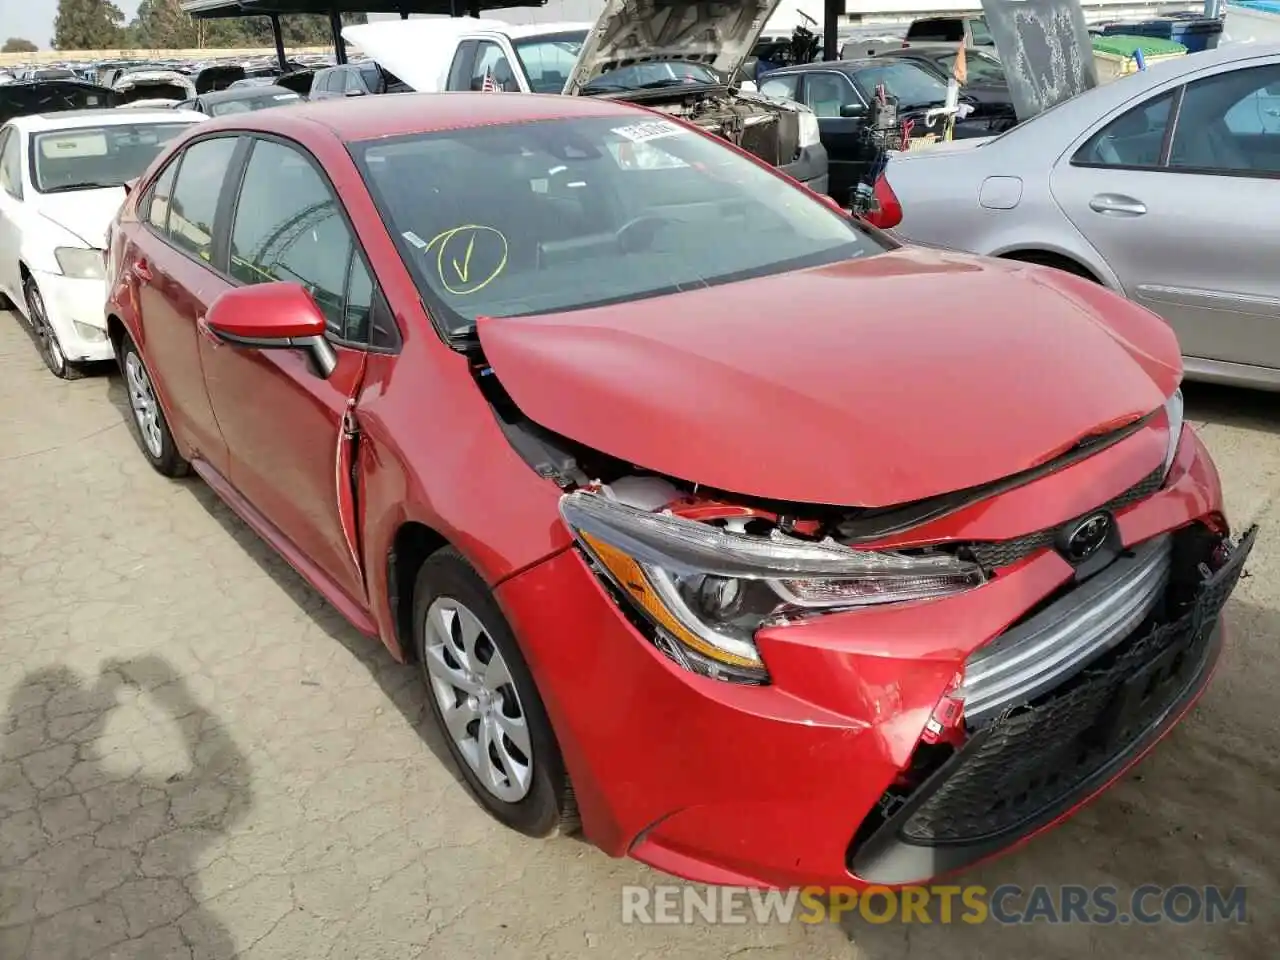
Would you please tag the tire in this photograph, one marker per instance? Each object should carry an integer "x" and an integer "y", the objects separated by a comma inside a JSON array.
[
  {"x": 6, "y": 303},
  {"x": 46, "y": 337},
  {"x": 147, "y": 420},
  {"x": 451, "y": 602}
]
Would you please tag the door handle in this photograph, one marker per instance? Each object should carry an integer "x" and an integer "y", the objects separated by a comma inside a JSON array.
[
  {"x": 1117, "y": 204},
  {"x": 142, "y": 271}
]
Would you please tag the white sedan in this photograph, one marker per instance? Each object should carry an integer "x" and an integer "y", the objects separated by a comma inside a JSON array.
[{"x": 62, "y": 178}]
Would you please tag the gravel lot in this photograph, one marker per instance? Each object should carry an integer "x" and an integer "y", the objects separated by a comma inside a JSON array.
[{"x": 199, "y": 759}]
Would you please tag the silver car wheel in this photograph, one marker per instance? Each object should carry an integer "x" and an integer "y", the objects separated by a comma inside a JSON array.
[
  {"x": 142, "y": 398},
  {"x": 478, "y": 699}
]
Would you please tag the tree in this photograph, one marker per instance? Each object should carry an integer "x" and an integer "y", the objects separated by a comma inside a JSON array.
[
  {"x": 87, "y": 25},
  {"x": 18, "y": 45}
]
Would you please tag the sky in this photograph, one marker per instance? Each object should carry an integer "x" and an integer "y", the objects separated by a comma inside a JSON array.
[{"x": 33, "y": 19}]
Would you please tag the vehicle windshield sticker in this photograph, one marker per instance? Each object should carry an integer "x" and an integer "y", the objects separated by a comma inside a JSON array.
[
  {"x": 649, "y": 130},
  {"x": 468, "y": 257},
  {"x": 416, "y": 240}
]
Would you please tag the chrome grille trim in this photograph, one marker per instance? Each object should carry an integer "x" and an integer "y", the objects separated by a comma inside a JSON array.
[{"x": 1038, "y": 654}]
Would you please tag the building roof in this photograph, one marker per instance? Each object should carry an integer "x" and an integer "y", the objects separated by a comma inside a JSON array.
[{"x": 206, "y": 9}]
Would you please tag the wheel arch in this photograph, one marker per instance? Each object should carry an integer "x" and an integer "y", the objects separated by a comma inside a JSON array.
[
  {"x": 411, "y": 545},
  {"x": 1050, "y": 257}
]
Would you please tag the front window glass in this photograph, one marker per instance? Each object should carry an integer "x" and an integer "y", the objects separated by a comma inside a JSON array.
[
  {"x": 912, "y": 85},
  {"x": 249, "y": 104},
  {"x": 549, "y": 60},
  {"x": 86, "y": 158},
  {"x": 979, "y": 68},
  {"x": 559, "y": 215},
  {"x": 659, "y": 73}
]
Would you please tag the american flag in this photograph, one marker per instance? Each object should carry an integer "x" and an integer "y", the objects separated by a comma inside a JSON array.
[{"x": 488, "y": 86}]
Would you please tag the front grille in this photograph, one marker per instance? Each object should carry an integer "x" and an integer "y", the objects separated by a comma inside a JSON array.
[
  {"x": 1027, "y": 763},
  {"x": 1001, "y": 553}
]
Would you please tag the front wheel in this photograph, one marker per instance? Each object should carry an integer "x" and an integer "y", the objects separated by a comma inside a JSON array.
[
  {"x": 46, "y": 337},
  {"x": 485, "y": 702},
  {"x": 150, "y": 428}
]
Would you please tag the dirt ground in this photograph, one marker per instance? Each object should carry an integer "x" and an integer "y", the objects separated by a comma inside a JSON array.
[{"x": 199, "y": 759}]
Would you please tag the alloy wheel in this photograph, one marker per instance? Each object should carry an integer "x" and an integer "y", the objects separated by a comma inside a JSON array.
[
  {"x": 142, "y": 399},
  {"x": 478, "y": 700},
  {"x": 46, "y": 339}
]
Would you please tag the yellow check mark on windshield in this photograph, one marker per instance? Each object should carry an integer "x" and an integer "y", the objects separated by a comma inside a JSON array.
[{"x": 464, "y": 268}]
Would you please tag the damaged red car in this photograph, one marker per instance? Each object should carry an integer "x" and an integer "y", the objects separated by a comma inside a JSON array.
[{"x": 765, "y": 549}]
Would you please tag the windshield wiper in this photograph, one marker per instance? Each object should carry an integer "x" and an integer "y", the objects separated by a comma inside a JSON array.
[
  {"x": 605, "y": 88},
  {"x": 676, "y": 82},
  {"x": 87, "y": 185}
]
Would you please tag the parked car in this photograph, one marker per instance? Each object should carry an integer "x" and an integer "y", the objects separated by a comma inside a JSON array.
[
  {"x": 949, "y": 31},
  {"x": 24, "y": 97},
  {"x": 1102, "y": 186},
  {"x": 354, "y": 80},
  {"x": 600, "y": 59},
  {"x": 840, "y": 92},
  {"x": 484, "y": 381},
  {"x": 153, "y": 85},
  {"x": 242, "y": 100},
  {"x": 62, "y": 179},
  {"x": 985, "y": 83}
]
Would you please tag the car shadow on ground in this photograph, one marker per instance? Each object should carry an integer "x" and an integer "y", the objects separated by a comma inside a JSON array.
[
  {"x": 1198, "y": 810},
  {"x": 103, "y": 818},
  {"x": 1232, "y": 406}
]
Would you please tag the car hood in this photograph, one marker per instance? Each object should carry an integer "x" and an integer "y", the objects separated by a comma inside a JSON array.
[
  {"x": 720, "y": 35},
  {"x": 870, "y": 382},
  {"x": 85, "y": 213}
]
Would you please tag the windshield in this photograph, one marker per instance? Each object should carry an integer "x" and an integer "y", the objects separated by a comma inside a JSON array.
[
  {"x": 249, "y": 104},
  {"x": 548, "y": 59},
  {"x": 660, "y": 73},
  {"x": 90, "y": 157},
  {"x": 979, "y": 67},
  {"x": 558, "y": 215},
  {"x": 912, "y": 85}
]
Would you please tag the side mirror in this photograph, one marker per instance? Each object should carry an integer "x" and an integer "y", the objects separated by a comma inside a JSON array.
[
  {"x": 273, "y": 316},
  {"x": 853, "y": 111},
  {"x": 357, "y": 92}
]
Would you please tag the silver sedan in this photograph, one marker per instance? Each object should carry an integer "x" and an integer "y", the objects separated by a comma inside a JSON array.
[{"x": 1163, "y": 185}]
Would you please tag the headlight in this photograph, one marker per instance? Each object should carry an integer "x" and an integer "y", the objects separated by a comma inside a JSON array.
[
  {"x": 80, "y": 263},
  {"x": 705, "y": 591},
  {"x": 1173, "y": 407},
  {"x": 809, "y": 132}
]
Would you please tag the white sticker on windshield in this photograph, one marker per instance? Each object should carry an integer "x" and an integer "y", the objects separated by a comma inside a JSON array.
[
  {"x": 416, "y": 240},
  {"x": 649, "y": 130}
]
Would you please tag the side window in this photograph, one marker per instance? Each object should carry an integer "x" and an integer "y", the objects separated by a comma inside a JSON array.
[
  {"x": 784, "y": 87},
  {"x": 547, "y": 63},
  {"x": 351, "y": 81},
  {"x": 195, "y": 195},
  {"x": 826, "y": 93},
  {"x": 155, "y": 205},
  {"x": 1133, "y": 139},
  {"x": 979, "y": 35},
  {"x": 289, "y": 226},
  {"x": 10, "y": 165},
  {"x": 492, "y": 64},
  {"x": 359, "y": 301},
  {"x": 460, "y": 71},
  {"x": 1230, "y": 122}
]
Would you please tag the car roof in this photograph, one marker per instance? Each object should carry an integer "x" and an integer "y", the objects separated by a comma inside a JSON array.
[
  {"x": 398, "y": 114},
  {"x": 108, "y": 117},
  {"x": 261, "y": 91}
]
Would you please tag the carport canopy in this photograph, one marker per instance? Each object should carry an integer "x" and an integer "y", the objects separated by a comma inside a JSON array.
[{"x": 212, "y": 9}]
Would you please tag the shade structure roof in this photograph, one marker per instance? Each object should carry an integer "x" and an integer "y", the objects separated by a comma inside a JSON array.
[{"x": 208, "y": 9}]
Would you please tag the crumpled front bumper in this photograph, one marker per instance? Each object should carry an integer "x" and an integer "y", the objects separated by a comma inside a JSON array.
[
  {"x": 76, "y": 310},
  {"x": 770, "y": 785}
]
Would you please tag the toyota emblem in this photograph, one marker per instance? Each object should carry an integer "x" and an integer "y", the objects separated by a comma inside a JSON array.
[{"x": 1085, "y": 537}]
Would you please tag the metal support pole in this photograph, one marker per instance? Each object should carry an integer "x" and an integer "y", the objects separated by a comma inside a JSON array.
[
  {"x": 474, "y": 9},
  {"x": 457, "y": 8},
  {"x": 832, "y": 11},
  {"x": 404, "y": 14},
  {"x": 279, "y": 39},
  {"x": 339, "y": 47}
]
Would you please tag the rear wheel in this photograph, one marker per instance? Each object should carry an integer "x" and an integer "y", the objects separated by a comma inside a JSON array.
[
  {"x": 150, "y": 428},
  {"x": 45, "y": 336},
  {"x": 484, "y": 700}
]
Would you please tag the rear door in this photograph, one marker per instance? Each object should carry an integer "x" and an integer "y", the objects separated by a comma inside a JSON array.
[
  {"x": 169, "y": 264},
  {"x": 286, "y": 428},
  {"x": 1181, "y": 195}
]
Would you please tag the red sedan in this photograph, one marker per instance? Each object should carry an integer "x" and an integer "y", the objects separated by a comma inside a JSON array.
[{"x": 774, "y": 551}]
